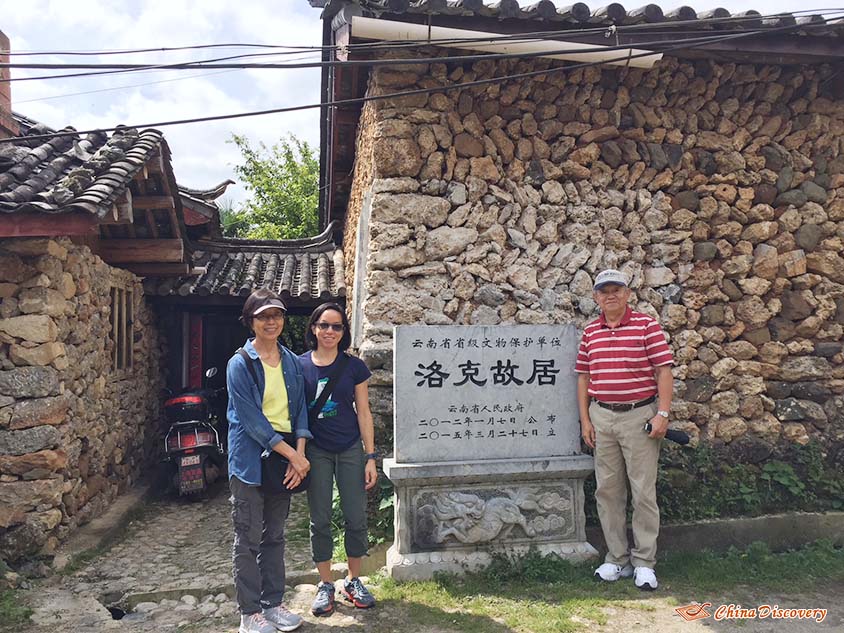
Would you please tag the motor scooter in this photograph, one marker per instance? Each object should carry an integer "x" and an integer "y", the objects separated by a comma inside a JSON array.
[{"x": 193, "y": 446}]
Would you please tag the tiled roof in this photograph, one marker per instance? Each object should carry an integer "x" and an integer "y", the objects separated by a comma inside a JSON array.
[
  {"x": 71, "y": 173},
  {"x": 200, "y": 204},
  {"x": 580, "y": 13},
  {"x": 206, "y": 195},
  {"x": 303, "y": 270}
]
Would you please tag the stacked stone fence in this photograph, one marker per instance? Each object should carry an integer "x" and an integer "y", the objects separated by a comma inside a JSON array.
[
  {"x": 717, "y": 187},
  {"x": 74, "y": 432}
]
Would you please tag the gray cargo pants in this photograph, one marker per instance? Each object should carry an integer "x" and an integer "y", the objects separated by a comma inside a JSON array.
[{"x": 258, "y": 550}]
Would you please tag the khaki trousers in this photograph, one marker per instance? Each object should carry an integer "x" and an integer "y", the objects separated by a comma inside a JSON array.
[{"x": 624, "y": 452}]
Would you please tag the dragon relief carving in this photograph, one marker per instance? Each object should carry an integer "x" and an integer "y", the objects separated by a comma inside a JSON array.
[{"x": 469, "y": 518}]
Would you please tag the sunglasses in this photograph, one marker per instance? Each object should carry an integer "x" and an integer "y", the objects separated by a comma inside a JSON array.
[{"x": 336, "y": 327}]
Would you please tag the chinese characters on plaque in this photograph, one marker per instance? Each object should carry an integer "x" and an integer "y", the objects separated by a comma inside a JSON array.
[{"x": 476, "y": 392}]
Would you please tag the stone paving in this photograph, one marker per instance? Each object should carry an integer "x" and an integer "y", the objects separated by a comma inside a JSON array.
[
  {"x": 171, "y": 570},
  {"x": 181, "y": 544}
]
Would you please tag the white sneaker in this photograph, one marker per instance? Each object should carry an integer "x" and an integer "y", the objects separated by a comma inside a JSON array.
[
  {"x": 282, "y": 618},
  {"x": 611, "y": 572},
  {"x": 255, "y": 623},
  {"x": 645, "y": 578}
]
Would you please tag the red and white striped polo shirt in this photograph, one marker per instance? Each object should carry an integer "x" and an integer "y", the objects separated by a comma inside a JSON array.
[{"x": 620, "y": 360}]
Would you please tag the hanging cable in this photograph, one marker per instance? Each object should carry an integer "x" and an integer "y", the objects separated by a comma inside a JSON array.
[
  {"x": 365, "y": 99},
  {"x": 575, "y": 32},
  {"x": 656, "y": 46},
  {"x": 666, "y": 25},
  {"x": 125, "y": 87}
]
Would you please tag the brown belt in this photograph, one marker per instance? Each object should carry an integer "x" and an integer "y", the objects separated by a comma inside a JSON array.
[{"x": 625, "y": 406}]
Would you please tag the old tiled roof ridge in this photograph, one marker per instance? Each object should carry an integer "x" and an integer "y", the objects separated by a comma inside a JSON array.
[
  {"x": 580, "y": 13},
  {"x": 68, "y": 173},
  {"x": 319, "y": 242},
  {"x": 207, "y": 194},
  {"x": 27, "y": 123},
  {"x": 304, "y": 269}
]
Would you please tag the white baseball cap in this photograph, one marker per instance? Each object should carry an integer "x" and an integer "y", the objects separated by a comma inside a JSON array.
[
  {"x": 609, "y": 276},
  {"x": 269, "y": 303}
]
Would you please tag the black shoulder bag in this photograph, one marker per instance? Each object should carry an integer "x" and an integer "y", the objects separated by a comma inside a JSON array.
[{"x": 274, "y": 466}]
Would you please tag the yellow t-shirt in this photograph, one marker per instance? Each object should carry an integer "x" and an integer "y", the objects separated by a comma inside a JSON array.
[{"x": 274, "y": 404}]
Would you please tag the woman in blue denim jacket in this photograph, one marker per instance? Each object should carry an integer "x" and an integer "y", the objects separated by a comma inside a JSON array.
[{"x": 267, "y": 414}]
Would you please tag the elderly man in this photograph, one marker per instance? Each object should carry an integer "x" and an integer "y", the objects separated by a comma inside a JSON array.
[{"x": 624, "y": 370}]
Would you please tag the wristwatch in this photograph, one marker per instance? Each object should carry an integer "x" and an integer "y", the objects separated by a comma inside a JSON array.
[
  {"x": 369, "y": 456},
  {"x": 663, "y": 414}
]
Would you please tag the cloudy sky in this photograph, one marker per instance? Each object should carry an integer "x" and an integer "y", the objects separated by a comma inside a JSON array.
[{"x": 202, "y": 154}]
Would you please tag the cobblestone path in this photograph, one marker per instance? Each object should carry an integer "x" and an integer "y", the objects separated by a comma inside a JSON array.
[
  {"x": 179, "y": 544},
  {"x": 172, "y": 570}
]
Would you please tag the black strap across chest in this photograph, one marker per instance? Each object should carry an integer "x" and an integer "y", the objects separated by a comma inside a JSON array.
[{"x": 313, "y": 411}]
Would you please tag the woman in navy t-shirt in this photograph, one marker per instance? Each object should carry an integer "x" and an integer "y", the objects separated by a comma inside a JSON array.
[{"x": 337, "y": 453}]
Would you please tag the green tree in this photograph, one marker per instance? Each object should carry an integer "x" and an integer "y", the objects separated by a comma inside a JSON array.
[
  {"x": 232, "y": 222},
  {"x": 283, "y": 183}
]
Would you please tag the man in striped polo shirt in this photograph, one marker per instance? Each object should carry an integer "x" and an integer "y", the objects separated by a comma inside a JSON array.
[{"x": 624, "y": 380}]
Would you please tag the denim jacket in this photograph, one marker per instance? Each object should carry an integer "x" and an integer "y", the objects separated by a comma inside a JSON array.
[{"x": 250, "y": 433}]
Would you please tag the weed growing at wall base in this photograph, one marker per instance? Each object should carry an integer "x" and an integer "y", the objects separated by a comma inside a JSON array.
[{"x": 13, "y": 614}]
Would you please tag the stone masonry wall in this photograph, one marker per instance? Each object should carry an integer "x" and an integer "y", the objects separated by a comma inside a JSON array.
[
  {"x": 718, "y": 188},
  {"x": 74, "y": 433},
  {"x": 365, "y": 171}
]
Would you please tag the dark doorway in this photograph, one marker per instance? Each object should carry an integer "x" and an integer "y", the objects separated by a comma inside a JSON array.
[{"x": 222, "y": 335}]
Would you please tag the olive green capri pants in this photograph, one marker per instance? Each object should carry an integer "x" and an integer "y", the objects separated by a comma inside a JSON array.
[{"x": 347, "y": 468}]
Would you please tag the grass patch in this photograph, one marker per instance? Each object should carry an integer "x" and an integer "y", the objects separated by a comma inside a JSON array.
[
  {"x": 536, "y": 594},
  {"x": 13, "y": 614},
  {"x": 756, "y": 566},
  {"x": 298, "y": 528}
]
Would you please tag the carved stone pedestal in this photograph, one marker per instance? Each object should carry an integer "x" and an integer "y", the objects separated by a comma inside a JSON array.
[{"x": 452, "y": 516}]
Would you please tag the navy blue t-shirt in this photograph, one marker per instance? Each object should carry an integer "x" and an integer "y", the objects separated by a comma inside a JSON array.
[{"x": 336, "y": 429}]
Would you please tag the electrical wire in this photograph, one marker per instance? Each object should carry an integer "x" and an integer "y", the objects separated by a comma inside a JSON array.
[
  {"x": 365, "y": 99},
  {"x": 127, "y": 68},
  {"x": 124, "y": 87},
  {"x": 621, "y": 29},
  {"x": 655, "y": 46}
]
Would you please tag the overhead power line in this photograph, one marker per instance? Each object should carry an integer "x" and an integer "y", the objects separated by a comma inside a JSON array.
[
  {"x": 124, "y": 87},
  {"x": 698, "y": 23},
  {"x": 109, "y": 69},
  {"x": 394, "y": 95}
]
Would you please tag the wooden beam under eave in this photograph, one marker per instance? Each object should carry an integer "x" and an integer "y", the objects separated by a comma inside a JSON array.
[
  {"x": 158, "y": 270},
  {"x": 155, "y": 164},
  {"x": 122, "y": 211},
  {"x": 46, "y": 225},
  {"x": 154, "y": 202},
  {"x": 151, "y": 223},
  {"x": 142, "y": 251}
]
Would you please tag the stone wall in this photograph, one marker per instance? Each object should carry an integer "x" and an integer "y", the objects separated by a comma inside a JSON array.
[
  {"x": 74, "y": 432},
  {"x": 718, "y": 188}
]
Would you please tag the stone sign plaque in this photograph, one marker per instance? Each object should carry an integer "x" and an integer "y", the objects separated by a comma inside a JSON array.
[{"x": 465, "y": 393}]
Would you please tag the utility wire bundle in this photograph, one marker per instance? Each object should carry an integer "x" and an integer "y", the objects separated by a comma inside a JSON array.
[{"x": 225, "y": 64}]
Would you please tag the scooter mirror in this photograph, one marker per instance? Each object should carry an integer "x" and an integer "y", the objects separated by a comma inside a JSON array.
[{"x": 210, "y": 372}]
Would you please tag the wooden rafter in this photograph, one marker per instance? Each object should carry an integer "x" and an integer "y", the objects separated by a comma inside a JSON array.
[
  {"x": 37, "y": 224},
  {"x": 151, "y": 223},
  {"x": 158, "y": 270},
  {"x": 127, "y": 251},
  {"x": 154, "y": 202}
]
